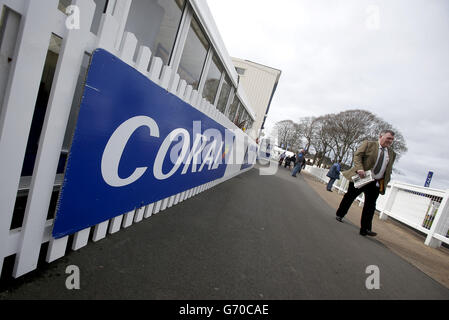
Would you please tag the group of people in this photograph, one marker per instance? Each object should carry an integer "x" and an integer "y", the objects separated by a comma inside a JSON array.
[
  {"x": 298, "y": 160},
  {"x": 377, "y": 156}
]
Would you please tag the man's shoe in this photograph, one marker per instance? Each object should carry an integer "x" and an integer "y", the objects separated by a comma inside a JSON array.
[
  {"x": 367, "y": 233},
  {"x": 329, "y": 190},
  {"x": 339, "y": 218},
  {"x": 293, "y": 176}
]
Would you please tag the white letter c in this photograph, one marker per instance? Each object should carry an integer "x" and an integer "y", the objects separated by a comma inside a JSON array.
[{"x": 114, "y": 150}]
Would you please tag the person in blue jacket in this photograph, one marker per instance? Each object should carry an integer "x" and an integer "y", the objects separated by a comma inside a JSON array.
[
  {"x": 333, "y": 174},
  {"x": 299, "y": 162}
]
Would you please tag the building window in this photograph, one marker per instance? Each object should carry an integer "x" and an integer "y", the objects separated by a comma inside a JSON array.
[
  {"x": 238, "y": 118},
  {"x": 193, "y": 55},
  {"x": 212, "y": 80},
  {"x": 224, "y": 95},
  {"x": 155, "y": 24},
  {"x": 233, "y": 108}
]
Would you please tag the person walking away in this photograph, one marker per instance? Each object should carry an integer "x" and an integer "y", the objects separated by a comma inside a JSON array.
[
  {"x": 333, "y": 174},
  {"x": 281, "y": 158},
  {"x": 300, "y": 158},
  {"x": 378, "y": 157}
]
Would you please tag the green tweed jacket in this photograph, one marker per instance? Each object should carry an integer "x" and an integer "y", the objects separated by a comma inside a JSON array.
[{"x": 365, "y": 158}]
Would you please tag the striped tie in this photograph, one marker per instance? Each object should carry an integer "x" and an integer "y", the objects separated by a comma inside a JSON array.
[{"x": 379, "y": 162}]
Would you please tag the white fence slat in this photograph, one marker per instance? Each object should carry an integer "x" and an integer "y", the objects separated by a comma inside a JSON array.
[
  {"x": 155, "y": 69},
  {"x": 177, "y": 199},
  {"x": 120, "y": 13},
  {"x": 139, "y": 214},
  {"x": 108, "y": 33},
  {"x": 56, "y": 250},
  {"x": 165, "y": 77},
  {"x": 115, "y": 224},
  {"x": 188, "y": 93},
  {"x": 174, "y": 84},
  {"x": 100, "y": 231},
  {"x": 59, "y": 28},
  {"x": 128, "y": 48},
  {"x": 438, "y": 222},
  {"x": 14, "y": 237},
  {"x": 194, "y": 96},
  {"x": 164, "y": 204},
  {"x": 148, "y": 210},
  {"x": 52, "y": 136},
  {"x": 18, "y": 105},
  {"x": 171, "y": 201},
  {"x": 128, "y": 219},
  {"x": 182, "y": 89},
  {"x": 80, "y": 239},
  {"x": 157, "y": 207},
  {"x": 182, "y": 196},
  {"x": 143, "y": 59}
]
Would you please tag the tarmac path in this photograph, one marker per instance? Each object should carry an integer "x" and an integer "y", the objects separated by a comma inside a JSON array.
[{"x": 251, "y": 237}]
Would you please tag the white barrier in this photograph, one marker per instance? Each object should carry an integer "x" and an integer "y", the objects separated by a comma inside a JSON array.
[
  {"x": 423, "y": 209},
  {"x": 39, "y": 19}
]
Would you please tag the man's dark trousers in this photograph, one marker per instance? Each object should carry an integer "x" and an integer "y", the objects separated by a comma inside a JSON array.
[
  {"x": 330, "y": 184},
  {"x": 371, "y": 192}
]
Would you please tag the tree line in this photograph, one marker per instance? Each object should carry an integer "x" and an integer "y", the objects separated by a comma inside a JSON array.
[{"x": 334, "y": 137}]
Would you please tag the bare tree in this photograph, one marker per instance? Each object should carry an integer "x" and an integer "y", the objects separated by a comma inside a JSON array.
[
  {"x": 286, "y": 132},
  {"x": 321, "y": 138},
  {"x": 337, "y": 136},
  {"x": 308, "y": 127}
]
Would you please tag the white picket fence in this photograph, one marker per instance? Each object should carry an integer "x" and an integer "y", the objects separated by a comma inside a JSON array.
[
  {"x": 424, "y": 209},
  {"x": 39, "y": 19}
]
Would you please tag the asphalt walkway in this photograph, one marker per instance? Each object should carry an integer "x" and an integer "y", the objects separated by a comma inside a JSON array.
[{"x": 251, "y": 237}]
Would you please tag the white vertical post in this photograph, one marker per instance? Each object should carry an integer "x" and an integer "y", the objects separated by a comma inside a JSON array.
[
  {"x": 80, "y": 239},
  {"x": 52, "y": 136},
  {"x": 108, "y": 33},
  {"x": 121, "y": 12},
  {"x": 148, "y": 210},
  {"x": 441, "y": 217},
  {"x": 18, "y": 105},
  {"x": 139, "y": 214},
  {"x": 100, "y": 231},
  {"x": 389, "y": 201}
]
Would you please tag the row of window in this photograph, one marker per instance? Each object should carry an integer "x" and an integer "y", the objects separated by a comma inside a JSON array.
[{"x": 160, "y": 25}]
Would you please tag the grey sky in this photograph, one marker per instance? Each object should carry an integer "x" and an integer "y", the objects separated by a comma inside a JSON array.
[{"x": 389, "y": 57}]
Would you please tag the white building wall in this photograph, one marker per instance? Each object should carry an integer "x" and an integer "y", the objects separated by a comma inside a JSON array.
[{"x": 258, "y": 83}]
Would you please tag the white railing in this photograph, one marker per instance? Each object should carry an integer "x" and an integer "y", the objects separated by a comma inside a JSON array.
[
  {"x": 421, "y": 208},
  {"x": 39, "y": 19}
]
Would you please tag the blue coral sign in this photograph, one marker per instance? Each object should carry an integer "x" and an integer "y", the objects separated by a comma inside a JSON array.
[{"x": 134, "y": 144}]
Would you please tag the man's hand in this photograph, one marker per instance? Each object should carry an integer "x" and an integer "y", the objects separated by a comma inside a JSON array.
[{"x": 361, "y": 173}]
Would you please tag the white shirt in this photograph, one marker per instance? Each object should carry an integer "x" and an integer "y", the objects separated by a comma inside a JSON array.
[{"x": 385, "y": 160}]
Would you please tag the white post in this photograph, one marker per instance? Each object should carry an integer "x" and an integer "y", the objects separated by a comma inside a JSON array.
[
  {"x": 440, "y": 218},
  {"x": 389, "y": 202},
  {"x": 18, "y": 104},
  {"x": 52, "y": 136}
]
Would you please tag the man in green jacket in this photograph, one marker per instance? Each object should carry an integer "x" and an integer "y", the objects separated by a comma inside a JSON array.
[{"x": 378, "y": 157}]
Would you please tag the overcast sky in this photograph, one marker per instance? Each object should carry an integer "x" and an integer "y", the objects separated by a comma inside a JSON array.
[{"x": 389, "y": 57}]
